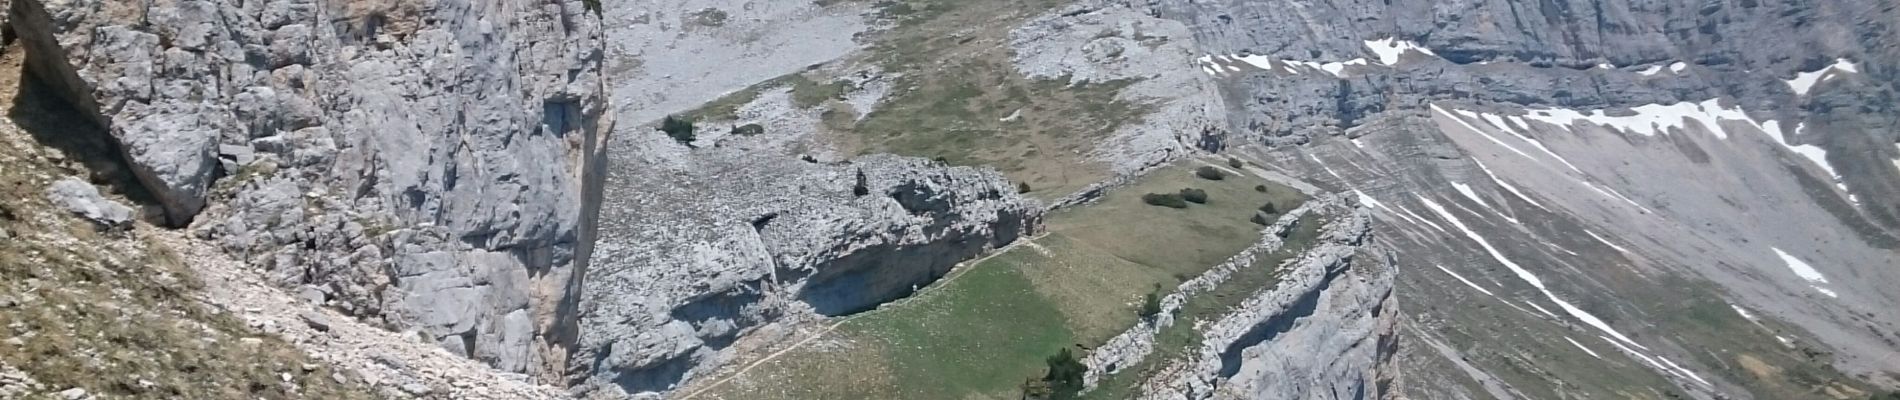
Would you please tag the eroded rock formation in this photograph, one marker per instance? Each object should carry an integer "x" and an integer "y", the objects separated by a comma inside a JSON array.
[{"x": 420, "y": 164}]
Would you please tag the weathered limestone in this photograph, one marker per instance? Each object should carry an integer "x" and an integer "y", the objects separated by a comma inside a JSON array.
[{"x": 422, "y": 164}]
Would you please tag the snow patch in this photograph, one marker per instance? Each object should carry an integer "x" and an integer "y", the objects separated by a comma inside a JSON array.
[
  {"x": 1652, "y": 119},
  {"x": 1606, "y": 66},
  {"x": 1606, "y": 242},
  {"x": 1507, "y": 187},
  {"x": 1573, "y": 342},
  {"x": 1806, "y": 272},
  {"x": 1389, "y": 50},
  {"x": 1745, "y": 314},
  {"x": 1357, "y": 143},
  {"x": 1541, "y": 309},
  {"x": 1677, "y": 67},
  {"x": 1670, "y": 368},
  {"x": 1804, "y": 82},
  {"x": 1467, "y": 282},
  {"x": 1526, "y": 275},
  {"x": 1652, "y": 70},
  {"x": 1813, "y": 153},
  {"x": 1473, "y": 195},
  {"x": 1800, "y": 268}
]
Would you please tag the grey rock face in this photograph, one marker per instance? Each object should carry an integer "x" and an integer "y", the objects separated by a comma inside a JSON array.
[
  {"x": 83, "y": 199},
  {"x": 425, "y": 163},
  {"x": 701, "y": 247},
  {"x": 1325, "y": 331}
]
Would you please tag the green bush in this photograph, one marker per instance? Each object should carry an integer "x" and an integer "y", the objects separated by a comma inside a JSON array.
[
  {"x": 1233, "y": 162},
  {"x": 748, "y": 130},
  {"x": 1210, "y": 173},
  {"x": 1065, "y": 375},
  {"x": 1022, "y": 187},
  {"x": 680, "y": 129},
  {"x": 1195, "y": 196},
  {"x": 862, "y": 188},
  {"x": 1260, "y": 218},
  {"x": 1169, "y": 200},
  {"x": 1151, "y": 306},
  {"x": 1269, "y": 208},
  {"x": 1260, "y": 188}
]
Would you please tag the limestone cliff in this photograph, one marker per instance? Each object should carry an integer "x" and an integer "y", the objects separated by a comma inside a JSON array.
[{"x": 421, "y": 164}]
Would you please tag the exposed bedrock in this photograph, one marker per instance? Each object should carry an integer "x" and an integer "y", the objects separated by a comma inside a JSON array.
[
  {"x": 419, "y": 164},
  {"x": 1325, "y": 331},
  {"x": 702, "y": 246}
]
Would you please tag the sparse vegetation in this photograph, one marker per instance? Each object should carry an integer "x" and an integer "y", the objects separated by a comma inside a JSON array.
[
  {"x": 1196, "y": 196},
  {"x": 1169, "y": 200},
  {"x": 807, "y": 93},
  {"x": 748, "y": 130},
  {"x": 951, "y": 61},
  {"x": 1022, "y": 187},
  {"x": 862, "y": 188},
  {"x": 1233, "y": 163},
  {"x": 117, "y": 313},
  {"x": 1210, "y": 173},
  {"x": 708, "y": 17},
  {"x": 1151, "y": 304},
  {"x": 680, "y": 129}
]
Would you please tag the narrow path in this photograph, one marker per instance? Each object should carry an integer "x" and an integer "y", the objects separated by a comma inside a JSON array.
[{"x": 957, "y": 272}]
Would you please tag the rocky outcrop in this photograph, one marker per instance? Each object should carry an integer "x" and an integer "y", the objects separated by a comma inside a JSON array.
[
  {"x": 1100, "y": 42},
  {"x": 1131, "y": 346},
  {"x": 703, "y": 246},
  {"x": 1325, "y": 331},
  {"x": 419, "y": 163},
  {"x": 83, "y": 199}
]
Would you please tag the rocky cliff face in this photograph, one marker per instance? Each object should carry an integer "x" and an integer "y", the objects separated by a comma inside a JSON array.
[
  {"x": 421, "y": 164},
  {"x": 703, "y": 246},
  {"x": 1326, "y": 331}
]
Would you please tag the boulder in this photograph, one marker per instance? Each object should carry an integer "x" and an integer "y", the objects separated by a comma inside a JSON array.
[{"x": 83, "y": 199}]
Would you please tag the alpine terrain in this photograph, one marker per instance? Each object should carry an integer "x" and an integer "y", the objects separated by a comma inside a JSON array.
[{"x": 950, "y": 199}]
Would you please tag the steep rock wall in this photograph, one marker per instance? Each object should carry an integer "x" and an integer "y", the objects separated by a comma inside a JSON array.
[
  {"x": 420, "y": 164},
  {"x": 1326, "y": 331},
  {"x": 703, "y": 246}
]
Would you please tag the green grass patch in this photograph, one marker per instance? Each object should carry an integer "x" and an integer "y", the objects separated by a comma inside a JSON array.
[
  {"x": 1173, "y": 342},
  {"x": 808, "y": 93},
  {"x": 980, "y": 334}
]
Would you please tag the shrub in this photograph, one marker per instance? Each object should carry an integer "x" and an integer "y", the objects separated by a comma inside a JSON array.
[
  {"x": 1269, "y": 208},
  {"x": 1209, "y": 173},
  {"x": 748, "y": 130},
  {"x": 1260, "y": 218},
  {"x": 1065, "y": 375},
  {"x": 1233, "y": 162},
  {"x": 1169, "y": 200},
  {"x": 1260, "y": 188},
  {"x": 1022, "y": 187},
  {"x": 680, "y": 129},
  {"x": 1195, "y": 196},
  {"x": 862, "y": 188},
  {"x": 1151, "y": 306}
]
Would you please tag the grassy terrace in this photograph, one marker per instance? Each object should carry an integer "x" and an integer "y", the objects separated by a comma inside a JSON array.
[{"x": 986, "y": 328}]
